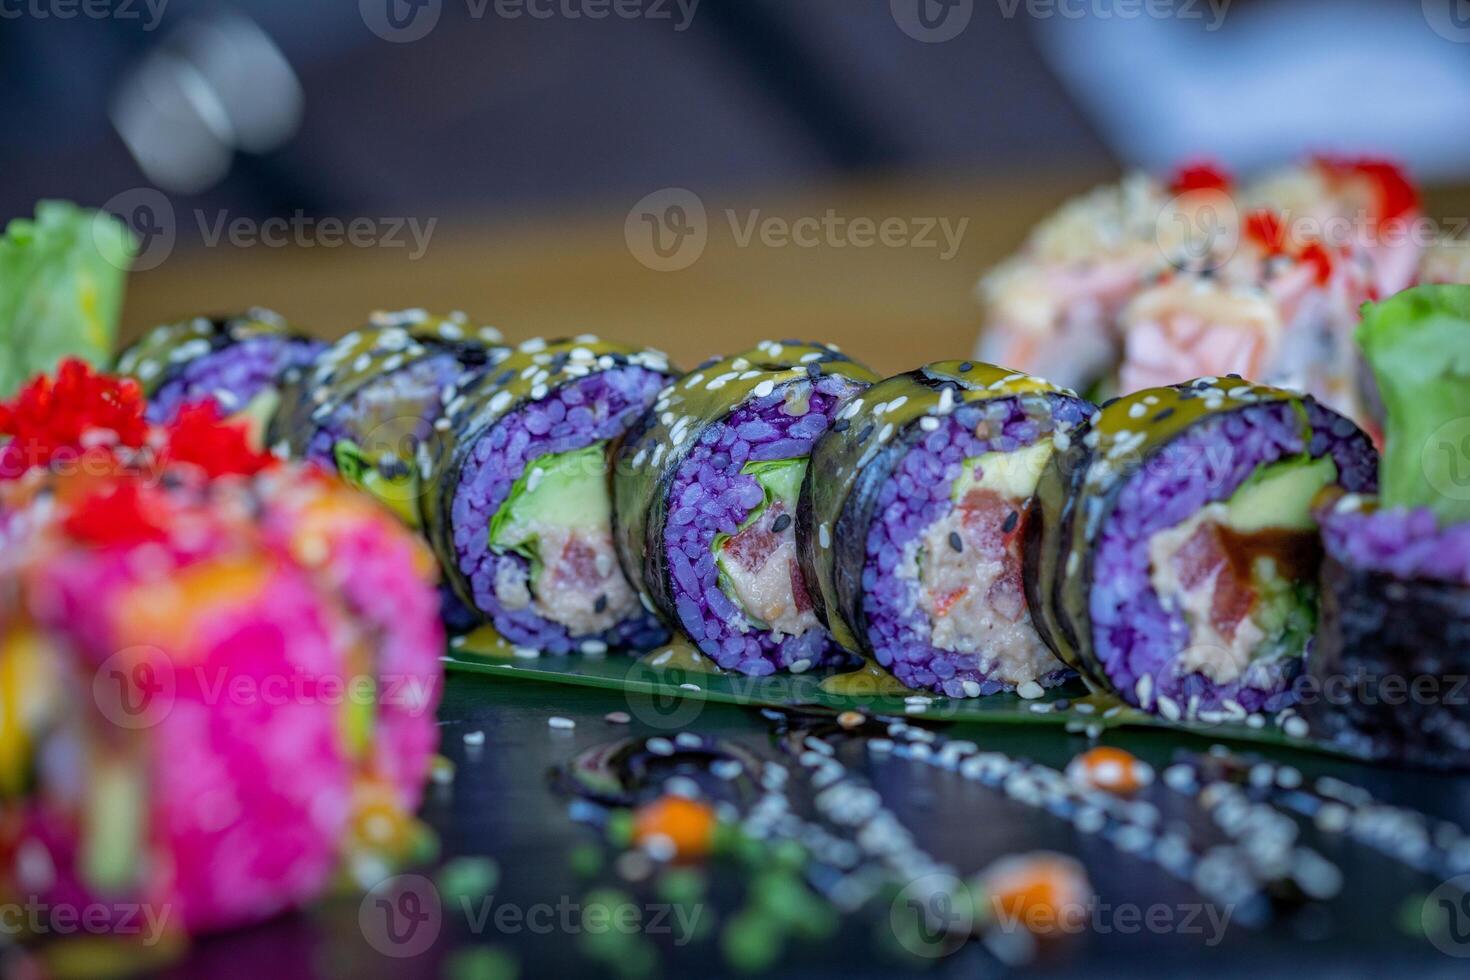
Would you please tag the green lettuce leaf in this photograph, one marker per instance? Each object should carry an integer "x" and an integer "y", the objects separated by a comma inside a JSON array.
[
  {"x": 61, "y": 287},
  {"x": 1418, "y": 345}
]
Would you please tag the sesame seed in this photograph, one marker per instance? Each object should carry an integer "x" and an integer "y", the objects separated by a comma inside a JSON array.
[
  {"x": 558, "y": 722},
  {"x": 956, "y": 542}
]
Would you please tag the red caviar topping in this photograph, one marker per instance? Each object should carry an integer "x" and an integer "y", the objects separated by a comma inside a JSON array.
[
  {"x": 688, "y": 825},
  {"x": 121, "y": 514},
  {"x": 1317, "y": 256},
  {"x": 1264, "y": 228},
  {"x": 199, "y": 436},
  {"x": 80, "y": 408},
  {"x": 1396, "y": 194},
  {"x": 1201, "y": 176}
]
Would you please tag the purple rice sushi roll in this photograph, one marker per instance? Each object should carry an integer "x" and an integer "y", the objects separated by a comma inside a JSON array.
[
  {"x": 367, "y": 405},
  {"x": 1388, "y": 671},
  {"x": 238, "y": 361},
  {"x": 706, "y": 494},
  {"x": 520, "y": 509},
  {"x": 1172, "y": 557},
  {"x": 912, "y": 518}
]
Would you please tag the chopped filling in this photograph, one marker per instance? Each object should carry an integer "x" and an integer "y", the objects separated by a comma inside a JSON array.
[
  {"x": 558, "y": 517},
  {"x": 1242, "y": 572},
  {"x": 758, "y": 564},
  {"x": 967, "y": 566}
]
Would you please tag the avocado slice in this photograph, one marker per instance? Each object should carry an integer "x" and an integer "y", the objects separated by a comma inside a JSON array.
[
  {"x": 1012, "y": 475},
  {"x": 781, "y": 481},
  {"x": 398, "y": 492},
  {"x": 564, "y": 489},
  {"x": 1280, "y": 496}
]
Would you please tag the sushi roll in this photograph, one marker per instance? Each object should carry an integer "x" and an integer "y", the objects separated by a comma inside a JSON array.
[
  {"x": 238, "y": 361},
  {"x": 1172, "y": 556},
  {"x": 911, "y": 522},
  {"x": 368, "y": 403},
  {"x": 519, "y": 512},
  {"x": 133, "y": 775},
  {"x": 1353, "y": 203},
  {"x": 1277, "y": 310},
  {"x": 1388, "y": 671},
  {"x": 706, "y": 494},
  {"x": 1051, "y": 310}
]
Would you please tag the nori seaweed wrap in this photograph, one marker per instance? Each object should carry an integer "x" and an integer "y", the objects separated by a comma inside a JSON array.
[
  {"x": 236, "y": 360},
  {"x": 911, "y": 522},
  {"x": 1173, "y": 556},
  {"x": 1388, "y": 675},
  {"x": 705, "y": 498},
  {"x": 520, "y": 512},
  {"x": 367, "y": 405}
]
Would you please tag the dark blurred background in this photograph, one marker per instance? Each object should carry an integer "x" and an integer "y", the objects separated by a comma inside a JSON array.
[{"x": 489, "y": 115}]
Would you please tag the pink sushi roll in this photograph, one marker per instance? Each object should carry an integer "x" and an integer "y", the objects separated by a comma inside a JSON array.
[
  {"x": 1276, "y": 311},
  {"x": 161, "y": 769},
  {"x": 1051, "y": 310},
  {"x": 1351, "y": 203}
]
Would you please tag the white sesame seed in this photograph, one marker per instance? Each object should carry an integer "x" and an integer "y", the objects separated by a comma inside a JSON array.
[
  {"x": 474, "y": 738},
  {"x": 557, "y": 721},
  {"x": 1030, "y": 690}
]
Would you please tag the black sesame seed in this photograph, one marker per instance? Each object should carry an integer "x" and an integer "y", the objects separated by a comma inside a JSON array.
[
  {"x": 781, "y": 523},
  {"x": 600, "y": 606},
  {"x": 867, "y": 430},
  {"x": 505, "y": 377},
  {"x": 841, "y": 425},
  {"x": 955, "y": 542},
  {"x": 1061, "y": 704},
  {"x": 813, "y": 370},
  {"x": 1166, "y": 413},
  {"x": 966, "y": 367},
  {"x": 1235, "y": 376},
  {"x": 1012, "y": 519}
]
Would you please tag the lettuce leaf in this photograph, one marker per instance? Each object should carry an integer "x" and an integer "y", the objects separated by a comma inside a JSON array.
[
  {"x": 1418, "y": 345},
  {"x": 61, "y": 286}
]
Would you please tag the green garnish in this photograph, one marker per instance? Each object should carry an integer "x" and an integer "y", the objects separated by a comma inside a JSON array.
[
  {"x": 781, "y": 481},
  {"x": 61, "y": 287},
  {"x": 1418, "y": 345},
  {"x": 564, "y": 489},
  {"x": 399, "y": 493}
]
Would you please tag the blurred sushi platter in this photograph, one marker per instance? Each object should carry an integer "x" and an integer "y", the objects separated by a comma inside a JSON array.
[{"x": 423, "y": 651}]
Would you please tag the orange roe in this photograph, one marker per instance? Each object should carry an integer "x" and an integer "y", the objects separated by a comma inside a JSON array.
[
  {"x": 1111, "y": 770},
  {"x": 1044, "y": 893},
  {"x": 1264, "y": 227},
  {"x": 78, "y": 411},
  {"x": 1394, "y": 194},
  {"x": 687, "y": 824}
]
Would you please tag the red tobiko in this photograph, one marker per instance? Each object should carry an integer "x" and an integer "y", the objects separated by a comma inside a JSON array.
[
  {"x": 1200, "y": 176},
  {"x": 1396, "y": 194},
  {"x": 199, "y": 436},
  {"x": 122, "y": 513},
  {"x": 78, "y": 410},
  {"x": 1265, "y": 229}
]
